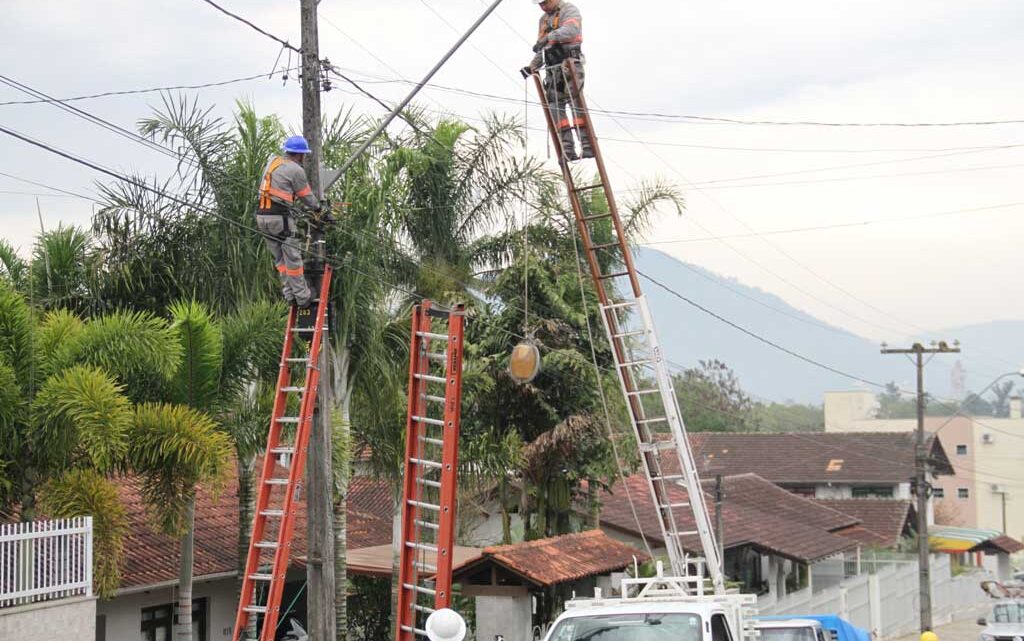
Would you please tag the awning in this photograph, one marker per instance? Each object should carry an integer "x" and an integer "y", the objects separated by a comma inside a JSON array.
[{"x": 958, "y": 539}]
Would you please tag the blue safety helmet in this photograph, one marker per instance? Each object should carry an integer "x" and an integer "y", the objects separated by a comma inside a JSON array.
[{"x": 296, "y": 145}]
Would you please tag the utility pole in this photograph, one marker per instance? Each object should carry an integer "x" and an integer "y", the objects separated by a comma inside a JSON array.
[
  {"x": 923, "y": 488},
  {"x": 719, "y": 528},
  {"x": 319, "y": 481}
]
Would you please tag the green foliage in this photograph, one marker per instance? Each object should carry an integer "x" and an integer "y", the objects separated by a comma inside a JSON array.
[
  {"x": 197, "y": 381},
  {"x": 83, "y": 492},
  {"x": 13, "y": 267},
  {"x": 60, "y": 269},
  {"x": 83, "y": 417},
  {"x": 788, "y": 417},
  {"x": 16, "y": 334},
  {"x": 712, "y": 400},
  {"x": 57, "y": 340},
  {"x": 175, "y": 448}
]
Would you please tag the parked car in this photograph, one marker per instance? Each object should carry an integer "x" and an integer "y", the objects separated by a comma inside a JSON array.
[
  {"x": 835, "y": 628},
  {"x": 1006, "y": 623},
  {"x": 790, "y": 630}
]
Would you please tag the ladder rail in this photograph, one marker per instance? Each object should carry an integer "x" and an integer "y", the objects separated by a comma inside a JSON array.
[
  {"x": 286, "y": 511},
  {"x": 616, "y": 333}
]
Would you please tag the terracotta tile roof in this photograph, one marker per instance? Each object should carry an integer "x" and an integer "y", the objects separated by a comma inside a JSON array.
[
  {"x": 885, "y": 518},
  {"x": 153, "y": 558},
  {"x": 815, "y": 457},
  {"x": 755, "y": 512},
  {"x": 562, "y": 559},
  {"x": 866, "y": 538},
  {"x": 1001, "y": 543}
]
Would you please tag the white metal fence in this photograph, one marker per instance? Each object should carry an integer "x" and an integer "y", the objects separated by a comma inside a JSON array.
[
  {"x": 44, "y": 560},
  {"x": 886, "y": 602}
]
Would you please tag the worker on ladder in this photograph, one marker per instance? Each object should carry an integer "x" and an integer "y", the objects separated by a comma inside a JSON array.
[
  {"x": 284, "y": 182},
  {"x": 560, "y": 43}
]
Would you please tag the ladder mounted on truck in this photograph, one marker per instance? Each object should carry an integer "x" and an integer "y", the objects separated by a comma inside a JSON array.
[
  {"x": 639, "y": 360},
  {"x": 280, "y": 485},
  {"x": 431, "y": 467}
]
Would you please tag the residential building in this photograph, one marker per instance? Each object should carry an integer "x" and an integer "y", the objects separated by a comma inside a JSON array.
[{"x": 986, "y": 490}]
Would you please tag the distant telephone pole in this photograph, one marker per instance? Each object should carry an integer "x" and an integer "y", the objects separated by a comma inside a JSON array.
[
  {"x": 921, "y": 476},
  {"x": 320, "y": 606}
]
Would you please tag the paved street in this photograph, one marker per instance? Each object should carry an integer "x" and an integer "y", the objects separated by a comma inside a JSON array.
[{"x": 964, "y": 629}]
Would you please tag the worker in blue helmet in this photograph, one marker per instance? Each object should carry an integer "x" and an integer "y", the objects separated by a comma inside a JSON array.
[{"x": 283, "y": 188}]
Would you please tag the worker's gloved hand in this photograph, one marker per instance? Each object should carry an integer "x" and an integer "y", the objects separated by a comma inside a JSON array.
[
  {"x": 526, "y": 72},
  {"x": 541, "y": 44}
]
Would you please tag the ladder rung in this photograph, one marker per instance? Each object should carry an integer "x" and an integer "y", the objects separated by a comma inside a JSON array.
[
  {"x": 589, "y": 187},
  {"x": 645, "y": 421},
  {"x": 596, "y": 217},
  {"x": 293, "y": 389},
  {"x": 673, "y": 505},
  {"x": 282, "y": 450},
  {"x": 303, "y": 330},
  {"x": 668, "y": 477},
  {"x": 261, "y": 577},
  {"x": 635, "y": 363},
  {"x": 432, "y": 398},
  {"x": 297, "y": 360},
  {"x": 428, "y": 421},
  {"x": 426, "y": 463},
  {"x": 436, "y": 356},
  {"x": 429, "y": 483},
  {"x": 640, "y": 392},
  {"x": 266, "y": 545},
  {"x": 272, "y": 513},
  {"x": 423, "y": 608},
  {"x": 659, "y": 445},
  {"x": 406, "y": 628},
  {"x": 288, "y": 419},
  {"x": 686, "y": 533},
  {"x": 427, "y": 524},
  {"x": 276, "y": 481},
  {"x": 605, "y": 246},
  {"x": 630, "y": 303},
  {"x": 421, "y": 546},
  {"x": 432, "y": 379},
  {"x": 418, "y": 588},
  {"x": 613, "y": 275},
  {"x": 638, "y": 332},
  {"x": 256, "y": 609},
  {"x": 432, "y": 441},
  {"x": 440, "y": 337},
  {"x": 428, "y": 506}
]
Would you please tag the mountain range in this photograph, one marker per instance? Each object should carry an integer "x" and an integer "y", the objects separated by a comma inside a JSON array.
[{"x": 781, "y": 371}]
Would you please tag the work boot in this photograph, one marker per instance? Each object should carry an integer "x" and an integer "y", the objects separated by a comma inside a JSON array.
[
  {"x": 569, "y": 145},
  {"x": 586, "y": 148}
]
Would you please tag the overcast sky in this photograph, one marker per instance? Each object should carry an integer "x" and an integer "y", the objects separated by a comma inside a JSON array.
[{"x": 914, "y": 61}]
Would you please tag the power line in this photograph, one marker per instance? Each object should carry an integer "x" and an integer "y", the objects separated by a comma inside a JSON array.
[
  {"x": 129, "y": 92},
  {"x": 45, "y": 186},
  {"x": 282, "y": 42}
]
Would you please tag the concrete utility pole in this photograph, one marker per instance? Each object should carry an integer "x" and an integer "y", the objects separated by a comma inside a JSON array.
[
  {"x": 921, "y": 477},
  {"x": 319, "y": 481}
]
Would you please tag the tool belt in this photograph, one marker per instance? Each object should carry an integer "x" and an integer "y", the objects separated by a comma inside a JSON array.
[
  {"x": 277, "y": 209},
  {"x": 557, "y": 54}
]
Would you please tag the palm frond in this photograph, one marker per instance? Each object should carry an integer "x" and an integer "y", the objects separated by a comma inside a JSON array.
[
  {"x": 16, "y": 334},
  {"x": 252, "y": 343},
  {"x": 645, "y": 202},
  {"x": 57, "y": 340},
  {"x": 175, "y": 448},
  {"x": 83, "y": 416},
  {"x": 12, "y": 266},
  {"x": 197, "y": 381},
  {"x": 83, "y": 492},
  {"x": 60, "y": 268}
]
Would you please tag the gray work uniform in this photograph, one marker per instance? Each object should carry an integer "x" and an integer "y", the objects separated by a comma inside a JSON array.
[
  {"x": 283, "y": 183},
  {"x": 563, "y": 29}
]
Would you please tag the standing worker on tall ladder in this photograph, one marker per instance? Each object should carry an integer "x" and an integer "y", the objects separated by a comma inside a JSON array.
[
  {"x": 284, "y": 181},
  {"x": 560, "y": 43}
]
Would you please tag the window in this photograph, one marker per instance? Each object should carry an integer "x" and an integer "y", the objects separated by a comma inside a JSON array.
[
  {"x": 938, "y": 493},
  {"x": 961, "y": 450},
  {"x": 157, "y": 622},
  {"x": 719, "y": 628},
  {"x": 870, "y": 491},
  {"x": 963, "y": 493},
  {"x": 632, "y": 627}
]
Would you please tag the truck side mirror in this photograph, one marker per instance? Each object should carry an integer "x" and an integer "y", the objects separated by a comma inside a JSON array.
[{"x": 982, "y": 621}]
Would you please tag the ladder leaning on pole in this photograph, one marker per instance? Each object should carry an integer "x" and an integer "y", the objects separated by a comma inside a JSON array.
[
  {"x": 271, "y": 541},
  {"x": 639, "y": 360},
  {"x": 431, "y": 466}
]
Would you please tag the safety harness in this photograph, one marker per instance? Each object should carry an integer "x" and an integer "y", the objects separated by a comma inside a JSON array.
[
  {"x": 269, "y": 207},
  {"x": 557, "y": 53}
]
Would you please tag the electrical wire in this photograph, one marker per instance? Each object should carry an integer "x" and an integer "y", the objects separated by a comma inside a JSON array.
[{"x": 282, "y": 42}]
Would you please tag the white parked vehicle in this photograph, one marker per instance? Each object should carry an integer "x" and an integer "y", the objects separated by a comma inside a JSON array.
[
  {"x": 657, "y": 609},
  {"x": 791, "y": 630},
  {"x": 1006, "y": 623}
]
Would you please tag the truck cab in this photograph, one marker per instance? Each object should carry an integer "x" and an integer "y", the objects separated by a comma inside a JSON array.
[
  {"x": 1005, "y": 623},
  {"x": 657, "y": 609},
  {"x": 791, "y": 630}
]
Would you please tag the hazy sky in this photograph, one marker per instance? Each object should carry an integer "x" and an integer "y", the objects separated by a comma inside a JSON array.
[{"x": 858, "y": 61}]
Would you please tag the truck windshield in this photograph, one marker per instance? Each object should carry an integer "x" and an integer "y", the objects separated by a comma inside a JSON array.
[
  {"x": 630, "y": 627},
  {"x": 1008, "y": 613},
  {"x": 788, "y": 634}
]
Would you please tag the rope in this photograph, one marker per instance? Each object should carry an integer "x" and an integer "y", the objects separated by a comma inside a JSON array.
[{"x": 526, "y": 211}]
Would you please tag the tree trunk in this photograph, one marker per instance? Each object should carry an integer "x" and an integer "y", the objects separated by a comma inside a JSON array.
[
  {"x": 343, "y": 406},
  {"x": 246, "y": 508},
  {"x": 185, "y": 574},
  {"x": 594, "y": 505},
  {"x": 506, "y": 519}
]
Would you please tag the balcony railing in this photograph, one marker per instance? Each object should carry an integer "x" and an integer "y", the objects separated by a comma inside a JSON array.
[{"x": 45, "y": 560}]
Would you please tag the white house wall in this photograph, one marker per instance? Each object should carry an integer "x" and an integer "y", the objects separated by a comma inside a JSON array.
[{"x": 124, "y": 613}]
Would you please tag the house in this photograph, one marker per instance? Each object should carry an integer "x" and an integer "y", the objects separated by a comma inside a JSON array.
[
  {"x": 775, "y": 541},
  {"x": 144, "y": 603},
  {"x": 985, "y": 452},
  {"x": 822, "y": 465},
  {"x": 882, "y": 523},
  {"x": 520, "y": 588}
]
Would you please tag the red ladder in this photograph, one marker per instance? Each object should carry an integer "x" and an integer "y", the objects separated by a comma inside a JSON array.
[
  {"x": 271, "y": 542},
  {"x": 639, "y": 359},
  {"x": 431, "y": 466}
]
